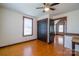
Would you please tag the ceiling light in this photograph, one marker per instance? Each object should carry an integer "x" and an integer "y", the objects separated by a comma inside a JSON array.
[{"x": 46, "y": 9}]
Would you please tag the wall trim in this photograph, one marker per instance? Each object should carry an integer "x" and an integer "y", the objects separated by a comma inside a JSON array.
[
  {"x": 17, "y": 43},
  {"x": 74, "y": 34},
  {"x": 69, "y": 34}
]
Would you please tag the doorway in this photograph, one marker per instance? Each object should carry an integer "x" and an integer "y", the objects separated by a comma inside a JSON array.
[{"x": 60, "y": 29}]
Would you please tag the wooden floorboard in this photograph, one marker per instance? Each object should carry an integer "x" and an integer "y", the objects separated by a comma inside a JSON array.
[{"x": 35, "y": 48}]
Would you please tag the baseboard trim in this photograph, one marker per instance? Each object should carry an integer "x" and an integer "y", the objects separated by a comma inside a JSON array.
[{"x": 17, "y": 43}]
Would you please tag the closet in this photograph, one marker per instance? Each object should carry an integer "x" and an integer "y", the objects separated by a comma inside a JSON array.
[
  {"x": 45, "y": 30},
  {"x": 42, "y": 26}
]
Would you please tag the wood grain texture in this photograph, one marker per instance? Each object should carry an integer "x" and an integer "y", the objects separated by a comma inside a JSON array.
[{"x": 35, "y": 48}]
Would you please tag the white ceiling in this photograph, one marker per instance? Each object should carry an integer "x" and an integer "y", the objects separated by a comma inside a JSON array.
[{"x": 30, "y": 8}]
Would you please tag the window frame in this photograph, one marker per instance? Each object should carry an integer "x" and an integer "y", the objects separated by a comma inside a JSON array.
[{"x": 23, "y": 26}]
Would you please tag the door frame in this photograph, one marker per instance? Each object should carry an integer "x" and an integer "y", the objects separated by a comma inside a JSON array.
[
  {"x": 65, "y": 29},
  {"x": 64, "y": 20}
]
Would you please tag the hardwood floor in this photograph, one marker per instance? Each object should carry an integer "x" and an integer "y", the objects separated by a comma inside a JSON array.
[{"x": 35, "y": 48}]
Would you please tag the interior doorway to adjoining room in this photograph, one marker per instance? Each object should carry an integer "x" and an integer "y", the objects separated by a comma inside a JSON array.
[{"x": 60, "y": 29}]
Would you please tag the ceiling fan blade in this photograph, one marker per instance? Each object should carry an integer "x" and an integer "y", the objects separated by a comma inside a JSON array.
[
  {"x": 52, "y": 9},
  {"x": 54, "y": 4},
  {"x": 39, "y": 8}
]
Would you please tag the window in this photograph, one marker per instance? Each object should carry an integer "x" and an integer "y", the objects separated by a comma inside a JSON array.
[
  {"x": 60, "y": 28},
  {"x": 27, "y": 26}
]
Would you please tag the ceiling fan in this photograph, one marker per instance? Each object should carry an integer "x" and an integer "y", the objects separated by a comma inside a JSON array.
[{"x": 47, "y": 6}]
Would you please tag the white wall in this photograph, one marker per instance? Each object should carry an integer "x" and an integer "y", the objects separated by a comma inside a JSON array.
[
  {"x": 11, "y": 27},
  {"x": 72, "y": 26}
]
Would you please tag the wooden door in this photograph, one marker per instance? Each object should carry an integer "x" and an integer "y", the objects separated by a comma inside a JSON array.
[
  {"x": 42, "y": 30},
  {"x": 51, "y": 31}
]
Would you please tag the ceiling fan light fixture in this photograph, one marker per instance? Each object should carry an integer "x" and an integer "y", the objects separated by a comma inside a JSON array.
[{"x": 46, "y": 9}]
